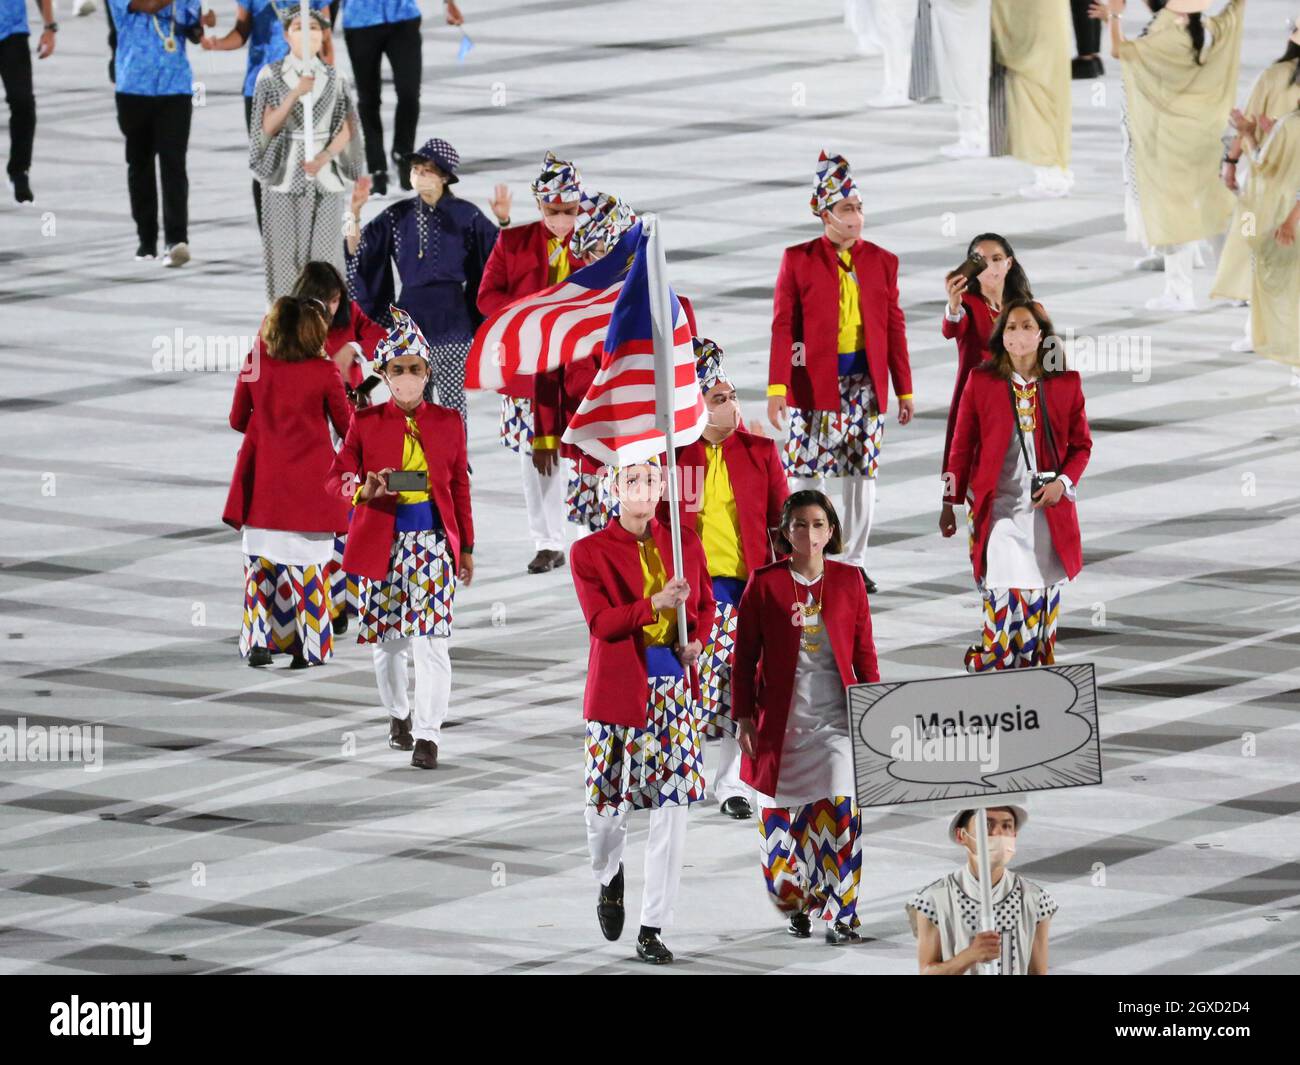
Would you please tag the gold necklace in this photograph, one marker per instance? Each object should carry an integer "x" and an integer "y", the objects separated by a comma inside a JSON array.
[
  {"x": 169, "y": 42},
  {"x": 811, "y": 610},
  {"x": 1026, "y": 407}
]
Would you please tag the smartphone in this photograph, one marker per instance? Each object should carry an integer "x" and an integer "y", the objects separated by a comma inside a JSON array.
[
  {"x": 972, "y": 267},
  {"x": 408, "y": 481}
]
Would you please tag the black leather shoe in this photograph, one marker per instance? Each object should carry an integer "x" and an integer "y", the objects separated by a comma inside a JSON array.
[
  {"x": 426, "y": 755},
  {"x": 259, "y": 656},
  {"x": 609, "y": 907},
  {"x": 650, "y": 948},
  {"x": 339, "y": 624},
  {"x": 22, "y": 189},
  {"x": 800, "y": 926},
  {"x": 738, "y": 807},
  {"x": 545, "y": 561},
  {"x": 399, "y": 733},
  {"x": 379, "y": 185},
  {"x": 298, "y": 662},
  {"x": 871, "y": 585},
  {"x": 839, "y": 934}
]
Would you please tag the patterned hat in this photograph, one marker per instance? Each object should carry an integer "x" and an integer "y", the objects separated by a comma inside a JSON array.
[
  {"x": 404, "y": 338},
  {"x": 834, "y": 183},
  {"x": 559, "y": 182},
  {"x": 612, "y": 472},
  {"x": 320, "y": 16},
  {"x": 601, "y": 220},
  {"x": 437, "y": 151},
  {"x": 708, "y": 363}
]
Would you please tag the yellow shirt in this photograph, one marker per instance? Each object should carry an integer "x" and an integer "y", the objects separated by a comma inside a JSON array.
[
  {"x": 851, "y": 337},
  {"x": 557, "y": 261},
  {"x": 412, "y": 459},
  {"x": 662, "y": 632},
  {"x": 718, "y": 522}
]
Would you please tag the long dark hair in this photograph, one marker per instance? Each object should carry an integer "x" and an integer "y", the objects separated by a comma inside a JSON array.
[
  {"x": 809, "y": 497},
  {"x": 1016, "y": 284},
  {"x": 1292, "y": 55},
  {"x": 1051, "y": 352},
  {"x": 1195, "y": 27},
  {"x": 320, "y": 280}
]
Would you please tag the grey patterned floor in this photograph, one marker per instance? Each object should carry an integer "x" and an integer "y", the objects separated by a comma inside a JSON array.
[{"x": 257, "y": 821}]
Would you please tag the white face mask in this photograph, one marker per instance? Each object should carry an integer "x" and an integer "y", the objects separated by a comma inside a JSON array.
[
  {"x": 560, "y": 225},
  {"x": 1021, "y": 341},
  {"x": 726, "y": 417},
  {"x": 1001, "y": 848},
  {"x": 427, "y": 184},
  {"x": 406, "y": 388}
]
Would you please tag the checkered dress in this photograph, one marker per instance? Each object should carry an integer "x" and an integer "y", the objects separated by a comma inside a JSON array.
[
  {"x": 842, "y": 443},
  {"x": 415, "y": 598},
  {"x": 517, "y": 424}
]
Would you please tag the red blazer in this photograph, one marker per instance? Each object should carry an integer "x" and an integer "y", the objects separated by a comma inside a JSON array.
[
  {"x": 374, "y": 442},
  {"x": 285, "y": 410},
  {"x": 607, "y": 575},
  {"x": 558, "y": 393},
  {"x": 361, "y": 331},
  {"x": 517, "y": 268},
  {"x": 806, "y": 309},
  {"x": 757, "y": 481},
  {"x": 986, "y": 428},
  {"x": 767, "y": 653},
  {"x": 972, "y": 335}
]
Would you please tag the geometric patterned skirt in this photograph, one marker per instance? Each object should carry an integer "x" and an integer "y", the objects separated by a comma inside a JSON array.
[
  {"x": 415, "y": 597},
  {"x": 286, "y": 610},
  {"x": 345, "y": 588},
  {"x": 1019, "y": 629},
  {"x": 812, "y": 858},
  {"x": 842, "y": 443},
  {"x": 662, "y": 764},
  {"x": 517, "y": 424},
  {"x": 716, "y": 661}
]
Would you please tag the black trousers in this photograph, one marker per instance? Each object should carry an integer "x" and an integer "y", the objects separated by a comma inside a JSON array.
[
  {"x": 400, "y": 42},
  {"x": 1087, "y": 31},
  {"x": 16, "y": 72},
  {"x": 157, "y": 128},
  {"x": 257, "y": 185}
]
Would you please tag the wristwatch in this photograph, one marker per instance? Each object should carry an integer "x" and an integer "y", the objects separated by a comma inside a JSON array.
[{"x": 52, "y": 27}]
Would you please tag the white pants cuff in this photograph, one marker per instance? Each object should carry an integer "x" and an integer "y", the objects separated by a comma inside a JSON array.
[
  {"x": 432, "y": 682},
  {"x": 725, "y": 783},
  {"x": 1178, "y": 271},
  {"x": 544, "y": 501},
  {"x": 664, "y": 850}
]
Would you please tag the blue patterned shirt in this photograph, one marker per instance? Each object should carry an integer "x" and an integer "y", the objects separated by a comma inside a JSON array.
[
  {"x": 144, "y": 67},
  {"x": 358, "y": 14}
]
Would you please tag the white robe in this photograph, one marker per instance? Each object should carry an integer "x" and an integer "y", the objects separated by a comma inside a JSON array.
[{"x": 963, "y": 44}]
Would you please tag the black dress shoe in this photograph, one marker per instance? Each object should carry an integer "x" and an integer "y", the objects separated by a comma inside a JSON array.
[
  {"x": 738, "y": 807},
  {"x": 340, "y": 624},
  {"x": 399, "y": 733},
  {"x": 426, "y": 755},
  {"x": 609, "y": 907},
  {"x": 544, "y": 561},
  {"x": 870, "y": 584},
  {"x": 650, "y": 948},
  {"x": 379, "y": 184},
  {"x": 259, "y": 656},
  {"x": 298, "y": 662},
  {"x": 1081, "y": 69},
  {"x": 800, "y": 926},
  {"x": 22, "y": 189},
  {"x": 839, "y": 934}
]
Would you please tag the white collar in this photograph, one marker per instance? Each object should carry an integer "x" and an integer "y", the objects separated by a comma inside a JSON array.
[
  {"x": 971, "y": 885},
  {"x": 799, "y": 578}
]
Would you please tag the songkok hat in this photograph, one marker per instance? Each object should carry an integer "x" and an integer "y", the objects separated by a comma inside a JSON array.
[
  {"x": 559, "y": 182},
  {"x": 404, "y": 338},
  {"x": 834, "y": 183},
  {"x": 601, "y": 220}
]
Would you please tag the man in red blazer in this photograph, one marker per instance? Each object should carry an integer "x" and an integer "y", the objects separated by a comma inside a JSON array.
[
  {"x": 732, "y": 491},
  {"x": 523, "y": 261},
  {"x": 838, "y": 338},
  {"x": 643, "y": 747},
  {"x": 412, "y": 543}
]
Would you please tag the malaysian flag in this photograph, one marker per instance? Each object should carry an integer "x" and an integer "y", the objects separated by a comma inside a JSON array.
[{"x": 615, "y": 308}]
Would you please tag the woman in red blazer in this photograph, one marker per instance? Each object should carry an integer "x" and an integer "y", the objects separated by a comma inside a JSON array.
[
  {"x": 642, "y": 738},
  {"x": 287, "y": 398},
  {"x": 1020, "y": 446},
  {"x": 972, "y": 309},
  {"x": 412, "y": 543},
  {"x": 804, "y": 635},
  {"x": 525, "y": 260}
]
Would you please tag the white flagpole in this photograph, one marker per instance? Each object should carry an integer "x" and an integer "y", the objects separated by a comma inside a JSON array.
[
  {"x": 308, "y": 128},
  {"x": 661, "y": 324},
  {"x": 986, "y": 880}
]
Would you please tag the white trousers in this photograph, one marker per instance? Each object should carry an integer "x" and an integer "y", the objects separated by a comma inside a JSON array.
[
  {"x": 432, "y": 681},
  {"x": 1178, "y": 271},
  {"x": 857, "y": 508},
  {"x": 725, "y": 782},
  {"x": 896, "y": 28},
  {"x": 664, "y": 849},
  {"x": 544, "y": 500}
]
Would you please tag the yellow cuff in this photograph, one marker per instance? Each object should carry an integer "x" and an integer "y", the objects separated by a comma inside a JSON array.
[
  {"x": 908, "y": 396},
  {"x": 776, "y": 390},
  {"x": 546, "y": 443},
  {"x": 355, "y": 494}
]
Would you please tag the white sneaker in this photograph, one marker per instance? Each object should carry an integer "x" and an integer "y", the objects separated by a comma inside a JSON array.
[
  {"x": 177, "y": 255},
  {"x": 86, "y": 7},
  {"x": 1169, "y": 302},
  {"x": 1152, "y": 262},
  {"x": 1243, "y": 344},
  {"x": 885, "y": 100}
]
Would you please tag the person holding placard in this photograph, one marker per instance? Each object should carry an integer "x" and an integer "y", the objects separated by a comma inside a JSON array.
[
  {"x": 802, "y": 637},
  {"x": 643, "y": 747},
  {"x": 1020, "y": 446},
  {"x": 945, "y": 915}
]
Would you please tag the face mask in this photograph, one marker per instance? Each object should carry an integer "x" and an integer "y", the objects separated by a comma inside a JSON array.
[
  {"x": 406, "y": 388},
  {"x": 560, "y": 225},
  {"x": 725, "y": 417},
  {"x": 427, "y": 184},
  {"x": 295, "y": 42},
  {"x": 1021, "y": 341},
  {"x": 1001, "y": 848}
]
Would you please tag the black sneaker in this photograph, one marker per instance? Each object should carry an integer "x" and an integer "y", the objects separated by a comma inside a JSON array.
[
  {"x": 379, "y": 185},
  {"x": 800, "y": 926},
  {"x": 650, "y": 948},
  {"x": 738, "y": 807},
  {"x": 339, "y": 624},
  {"x": 146, "y": 251},
  {"x": 609, "y": 907},
  {"x": 22, "y": 189},
  {"x": 839, "y": 934},
  {"x": 870, "y": 584}
]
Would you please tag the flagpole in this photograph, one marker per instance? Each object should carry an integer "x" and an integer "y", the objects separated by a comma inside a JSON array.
[
  {"x": 308, "y": 128},
  {"x": 661, "y": 324}
]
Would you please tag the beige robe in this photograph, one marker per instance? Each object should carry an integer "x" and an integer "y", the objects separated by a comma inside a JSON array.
[
  {"x": 1176, "y": 112},
  {"x": 1033, "y": 40},
  {"x": 1266, "y": 202},
  {"x": 1275, "y": 94}
]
